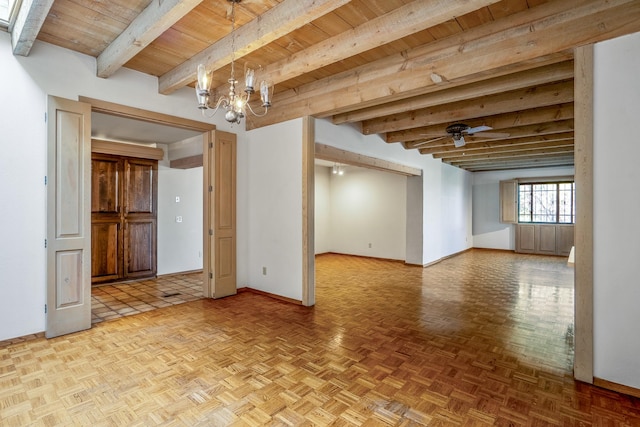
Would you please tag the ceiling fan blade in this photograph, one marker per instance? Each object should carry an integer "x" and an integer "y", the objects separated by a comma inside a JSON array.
[
  {"x": 420, "y": 144},
  {"x": 459, "y": 142},
  {"x": 491, "y": 135},
  {"x": 433, "y": 134},
  {"x": 478, "y": 129}
]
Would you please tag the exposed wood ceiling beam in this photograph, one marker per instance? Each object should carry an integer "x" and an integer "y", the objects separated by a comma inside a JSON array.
[
  {"x": 520, "y": 164},
  {"x": 498, "y": 122},
  {"x": 28, "y": 23},
  {"x": 527, "y": 35},
  {"x": 469, "y": 154},
  {"x": 401, "y": 22},
  {"x": 552, "y": 94},
  {"x": 515, "y": 157},
  {"x": 511, "y": 133},
  {"x": 536, "y": 76},
  {"x": 565, "y": 136},
  {"x": 278, "y": 21},
  {"x": 333, "y": 154},
  {"x": 154, "y": 20}
]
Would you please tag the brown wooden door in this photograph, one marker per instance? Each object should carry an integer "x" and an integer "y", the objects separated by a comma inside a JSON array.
[
  {"x": 123, "y": 218},
  {"x": 140, "y": 195},
  {"x": 220, "y": 215},
  {"x": 106, "y": 218}
]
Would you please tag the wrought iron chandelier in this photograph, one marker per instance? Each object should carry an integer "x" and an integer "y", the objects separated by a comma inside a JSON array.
[{"x": 235, "y": 104}]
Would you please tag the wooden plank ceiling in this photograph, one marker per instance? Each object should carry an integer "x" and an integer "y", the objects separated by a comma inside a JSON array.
[{"x": 404, "y": 69}]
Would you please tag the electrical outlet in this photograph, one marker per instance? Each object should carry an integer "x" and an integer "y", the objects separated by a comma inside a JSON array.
[
  {"x": 178, "y": 218},
  {"x": 264, "y": 271},
  {"x": 369, "y": 245},
  {"x": 177, "y": 199}
]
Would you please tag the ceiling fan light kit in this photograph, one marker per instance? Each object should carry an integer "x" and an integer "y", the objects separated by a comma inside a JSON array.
[{"x": 235, "y": 104}]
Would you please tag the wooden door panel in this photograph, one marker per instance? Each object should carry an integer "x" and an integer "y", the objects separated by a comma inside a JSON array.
[
  {"x": 69, "y": 285},
  {"x": 106, "y": 261},
  {"x": 140, "y": 248},
  {"x": 223, "y": 214},
  {"x": 68, "y": 217},
  {"x": 105, "y": 184},
  {"x": 225, "y": 262},
  {"x": 140, "y": 186}
]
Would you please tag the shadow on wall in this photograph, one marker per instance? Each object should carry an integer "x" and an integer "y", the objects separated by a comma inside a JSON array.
[{"x": 486, "y": 209}]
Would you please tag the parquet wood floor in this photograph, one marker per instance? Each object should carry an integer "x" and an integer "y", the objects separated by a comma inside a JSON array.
[{"x": 483, "y": 338}]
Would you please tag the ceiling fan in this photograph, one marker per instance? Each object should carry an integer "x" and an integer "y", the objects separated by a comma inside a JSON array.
[{"x": 458, "y": 130}]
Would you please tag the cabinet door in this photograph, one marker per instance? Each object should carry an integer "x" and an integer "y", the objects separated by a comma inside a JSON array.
[
  {"x": 546, "y": 239},
  {"x": 526, "y": 238},
  {"x": 565, "y": 239}
]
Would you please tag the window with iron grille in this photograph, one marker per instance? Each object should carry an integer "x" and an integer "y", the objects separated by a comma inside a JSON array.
[{"x": 547, "y": 202}]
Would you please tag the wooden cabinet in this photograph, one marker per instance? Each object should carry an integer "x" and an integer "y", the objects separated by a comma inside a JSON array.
[
  {"x": 549, "y": 239},
  {"x": 123, "y": 218}
]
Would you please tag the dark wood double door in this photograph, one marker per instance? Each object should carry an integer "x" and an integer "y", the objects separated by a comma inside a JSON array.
[{"x": 124, "y": 193}]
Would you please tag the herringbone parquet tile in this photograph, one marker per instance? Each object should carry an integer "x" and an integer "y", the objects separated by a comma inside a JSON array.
[{"x": 484, "y": 338}]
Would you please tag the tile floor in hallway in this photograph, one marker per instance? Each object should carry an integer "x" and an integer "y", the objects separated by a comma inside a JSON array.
[{"x": 111, "y": 301}]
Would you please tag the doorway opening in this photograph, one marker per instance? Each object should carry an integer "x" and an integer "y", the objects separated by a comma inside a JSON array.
[{"x": 180, "y": 219}]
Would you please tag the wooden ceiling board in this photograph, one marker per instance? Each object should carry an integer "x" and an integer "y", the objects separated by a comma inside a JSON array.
[
  {"x": 474, "y": 19},
  {"x": 122, "y": 10},
  {"x": 67, "y": 23},
  {"x": 507, "y": 7},
  {"x": 203, "y": 25},
  {"x": 488, "y": 42}
]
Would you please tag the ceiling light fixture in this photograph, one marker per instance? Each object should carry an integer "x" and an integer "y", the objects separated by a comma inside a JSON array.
[{"x": 235, "y": 104}]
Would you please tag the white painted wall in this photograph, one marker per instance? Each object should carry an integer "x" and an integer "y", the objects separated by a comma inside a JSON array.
[
  {"x": 322, "y": 213},
  {"x": 446, "y": 192},
  {"x": 179, "y": 243},
  {"x": 488, "y": 231},
  {"x": 616, "y": 211},
  {"x": 368, "y": 207},
  {"x": 22, "y": 216},
  {"x": 274, "y": 178},
  {"x": 27, "y": 82}
]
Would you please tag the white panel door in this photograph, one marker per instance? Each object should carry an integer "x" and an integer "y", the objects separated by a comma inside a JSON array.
[{"x": 68, "y": 217}]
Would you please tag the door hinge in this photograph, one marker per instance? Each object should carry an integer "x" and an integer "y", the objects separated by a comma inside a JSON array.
[
  {"x": 45, "y": 180},
  {"x": 210, "y": 232},
  {"x": 45, "y": 117},
  {"x": 210, "y": 188},
  {"x": 45, "y": 309},
  {"x": 45, "y": 243},
  {"x": 211, "y": 145},
  {"x": 210, "y": 275}
]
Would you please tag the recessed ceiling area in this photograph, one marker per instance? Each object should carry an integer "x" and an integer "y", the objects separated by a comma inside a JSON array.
[{"x": 121, "y": 129}]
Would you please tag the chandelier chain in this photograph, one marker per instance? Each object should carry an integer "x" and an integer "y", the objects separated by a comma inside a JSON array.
[{"x": 233, "y": 39}]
